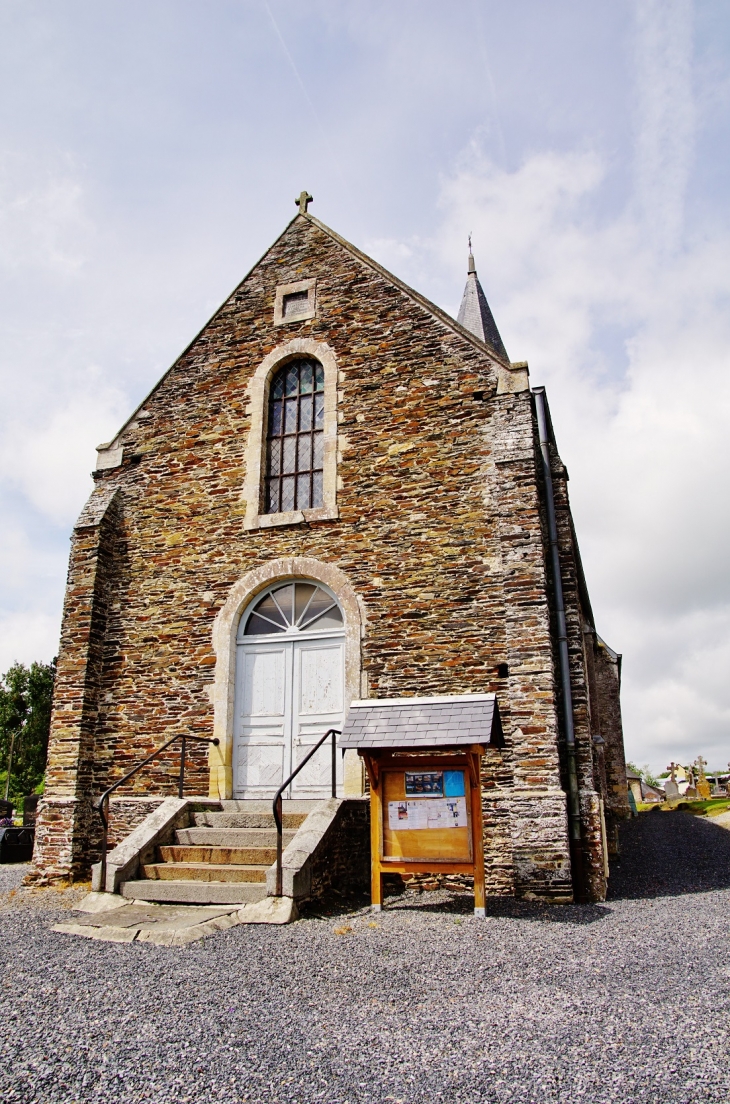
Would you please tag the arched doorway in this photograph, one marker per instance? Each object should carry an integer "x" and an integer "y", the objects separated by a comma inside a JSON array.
[{"x": 290, "y": 688}]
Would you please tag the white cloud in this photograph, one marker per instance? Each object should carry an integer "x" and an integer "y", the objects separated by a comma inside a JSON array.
[
  {"x": 50, "y": 461},
  {"x": 642, "y": 425},
  {"x": 42, "y": 220},
  {"x": 665, "y": 115},
  {"x": 25, "y": 637},
  {"x": 621, "y": 314},
  {"x": 626, "y": 321}
]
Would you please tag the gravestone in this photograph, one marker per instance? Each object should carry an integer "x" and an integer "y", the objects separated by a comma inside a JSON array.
[
  {"x": 703, "y": 786},
  {"x": 671, "y": 789},
  {"x": 30, "y": 810}
]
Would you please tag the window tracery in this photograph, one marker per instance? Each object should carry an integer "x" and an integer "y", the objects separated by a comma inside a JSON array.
[
  {"x": 302, "y": 606},
  {"x": 295, "y": 438},
  {"x": 276, "y": 456}
]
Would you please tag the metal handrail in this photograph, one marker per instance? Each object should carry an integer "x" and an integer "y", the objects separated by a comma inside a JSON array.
[
  {"x": 278, "y": 820},
  {"x": 102, "y": 805}
]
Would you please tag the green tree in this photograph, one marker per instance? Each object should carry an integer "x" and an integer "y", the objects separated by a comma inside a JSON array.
[
  {"x": 645, "y": 774},
  {"x": 26, "y": 694}
]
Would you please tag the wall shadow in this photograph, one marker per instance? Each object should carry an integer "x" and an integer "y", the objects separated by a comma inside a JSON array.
[
  {"x": 669, "y": 854},
  {"x": 454, "y": 903},
  {"x": 663, "y": 854}
]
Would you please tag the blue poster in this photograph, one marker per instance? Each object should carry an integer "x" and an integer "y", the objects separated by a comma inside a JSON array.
[{"x": 454, "y": 783}]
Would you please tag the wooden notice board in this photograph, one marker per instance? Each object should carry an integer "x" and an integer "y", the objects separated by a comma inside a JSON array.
[{"x": 426, "y": 816}]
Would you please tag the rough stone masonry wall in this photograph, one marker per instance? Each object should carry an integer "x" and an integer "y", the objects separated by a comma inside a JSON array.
[
  {"x": 608, "y": 696},
  {"x": 439, "y": 533},
  {"x": 524, "y": 793},
  {"x": 578, "y": 621},
  {"x": 66, "y": 823},
  {"x": 345, "y": 868},
  {"x": 126, "y": 814}
]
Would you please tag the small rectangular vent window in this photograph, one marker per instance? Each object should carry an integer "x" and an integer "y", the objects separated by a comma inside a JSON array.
[{"x": 296, "y": 304}]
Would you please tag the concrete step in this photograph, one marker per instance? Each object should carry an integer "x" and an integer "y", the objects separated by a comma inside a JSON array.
[
  {"x": 249, "y": 806},
  {"x": 195, "y": 893},
  {"x": 249, "y": 819},
  {"x": 204, "y": 872},
  {"x": 231, "y": 837},
  {"x": 226, "y": 856}
]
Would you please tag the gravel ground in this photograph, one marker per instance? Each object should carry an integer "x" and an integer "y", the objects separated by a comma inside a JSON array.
[{"x": 626, "y": 1001}]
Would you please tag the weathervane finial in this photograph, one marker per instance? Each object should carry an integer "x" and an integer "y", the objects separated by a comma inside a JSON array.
[
  {"x": 472, "y": 266},
  {"x": 302, "y": 201}
]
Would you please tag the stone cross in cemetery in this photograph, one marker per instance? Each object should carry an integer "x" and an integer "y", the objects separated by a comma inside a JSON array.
[
  {"x": 703, "y": 786},
  {"x": 671, "y": 789}
]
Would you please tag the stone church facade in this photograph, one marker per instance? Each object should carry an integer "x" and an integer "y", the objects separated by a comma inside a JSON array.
[{"x": 336, "y": 492}]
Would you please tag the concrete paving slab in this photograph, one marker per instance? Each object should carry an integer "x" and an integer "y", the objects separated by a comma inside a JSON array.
[
  {"x": 175, "y": 925},
  {"x": 108, "y": 933},
  {"x": 128, "y": 917},
  {"x": 183, "y": 918}
]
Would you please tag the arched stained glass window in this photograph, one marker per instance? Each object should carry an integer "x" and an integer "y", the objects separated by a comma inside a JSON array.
[
  {"x": 303, "y": 606},
  {"x": 295, "y": 440}
]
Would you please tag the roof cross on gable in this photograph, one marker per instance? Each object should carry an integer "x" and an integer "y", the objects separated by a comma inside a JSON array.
[{"x": 302, "y": 201}]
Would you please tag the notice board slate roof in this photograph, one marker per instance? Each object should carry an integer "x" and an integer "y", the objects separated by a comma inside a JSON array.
[{"x": 423, "y": 722}]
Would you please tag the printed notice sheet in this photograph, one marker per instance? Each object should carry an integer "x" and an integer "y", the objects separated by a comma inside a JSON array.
[{"x": 445, "y": 812}]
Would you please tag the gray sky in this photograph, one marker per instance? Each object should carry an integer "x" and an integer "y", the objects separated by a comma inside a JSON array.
[{"x": 151, "y": 152}]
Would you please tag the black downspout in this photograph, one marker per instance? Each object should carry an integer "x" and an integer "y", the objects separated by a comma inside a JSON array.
[{"x": 573, "y": 793}]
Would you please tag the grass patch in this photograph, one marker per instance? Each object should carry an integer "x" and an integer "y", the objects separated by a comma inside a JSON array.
[{"x": 713, "y": 806}]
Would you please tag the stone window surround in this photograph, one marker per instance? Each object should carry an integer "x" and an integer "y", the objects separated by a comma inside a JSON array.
[
  {"x": 225, "y": 630},
  {"x": 258, "y": 409},
  {"x": 310, "y": 286}
]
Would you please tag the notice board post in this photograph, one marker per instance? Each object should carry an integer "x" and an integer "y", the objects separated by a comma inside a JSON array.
[{"x": 423, "y": 760}]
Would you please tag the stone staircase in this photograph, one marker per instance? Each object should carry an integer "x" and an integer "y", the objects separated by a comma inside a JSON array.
[{"x": 222, "y": 860}]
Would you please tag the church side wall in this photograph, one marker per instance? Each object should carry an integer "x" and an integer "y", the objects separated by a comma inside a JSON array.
[
  {"x": 528, "y": 787},
  {"x": 608, "y": 693},
  {"x": 592, "y": 846}
]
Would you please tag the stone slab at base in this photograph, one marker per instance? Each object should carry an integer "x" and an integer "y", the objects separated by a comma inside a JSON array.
[
  {"x": 272, "y": 910},
  {"x": 175, "y": 926},
  {"x": 101, "y": 902},
  {"x": 108, "y": 934}
]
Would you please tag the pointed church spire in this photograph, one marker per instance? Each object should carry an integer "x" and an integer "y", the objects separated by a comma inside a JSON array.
[{"x": 474, "y": 312}]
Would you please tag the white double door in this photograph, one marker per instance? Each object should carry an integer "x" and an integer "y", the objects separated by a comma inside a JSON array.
[{"x": 289, "y": 692}]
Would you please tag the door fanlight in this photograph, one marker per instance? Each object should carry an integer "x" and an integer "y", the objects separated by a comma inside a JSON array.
[{"x": 293, "y": 607}]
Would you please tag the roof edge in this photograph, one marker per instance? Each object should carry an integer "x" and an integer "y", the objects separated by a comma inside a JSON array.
[
  {"x": 371, "y": 703},
  {"x": 440, "y": 314},
  {"x": 199, "y": 334}
]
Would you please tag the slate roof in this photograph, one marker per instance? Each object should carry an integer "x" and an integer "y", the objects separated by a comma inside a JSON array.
[
  {"x": 475, "y": 315},
  {"x": 423, "y": 722}
]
